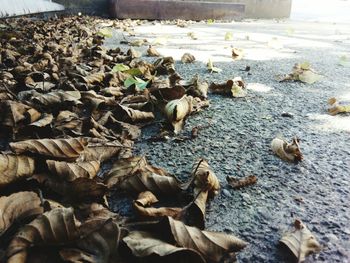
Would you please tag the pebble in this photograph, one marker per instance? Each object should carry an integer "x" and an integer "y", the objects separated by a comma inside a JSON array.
[
  {"x": 246, "y": 197},
  {"x": 226, "y": 193}
]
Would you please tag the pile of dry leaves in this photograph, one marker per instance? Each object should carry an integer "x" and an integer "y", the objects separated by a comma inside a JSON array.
[{"x": 68, "y": 107}]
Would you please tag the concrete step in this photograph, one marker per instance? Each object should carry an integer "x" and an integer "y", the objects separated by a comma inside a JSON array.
[{"x": 176, "y": 9}]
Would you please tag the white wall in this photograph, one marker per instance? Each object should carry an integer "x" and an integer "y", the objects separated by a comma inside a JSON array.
[
  {"x": 321, "y": 10},
  {"x": 20, "y": 7}
]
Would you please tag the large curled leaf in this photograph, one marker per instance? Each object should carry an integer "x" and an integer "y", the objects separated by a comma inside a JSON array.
[
  {"x": 136, "y": 175},
  {"x": 81, "y": 189},
  {"x": 72, "y": 171},
  {"x": 145, "y": 199},
  {"x": 212, "y": 246},
  {"x": 143, "y": 245},
  {"x": 57, "y": 226},
  {"x": 132, "y": 116},
  {"x": 57, "y": 97},
  {"x": 301, "y": 241},
  {"x": 17, "y": 207},
  {"x": 13, "y": 167},
  {"x": 65, "y": 149},
  {"x": 177, "y": 111},
  {"x": 287, "y": 151},
  {"x": 98, "y": 244},
  {"x": 101, "y": 150}
]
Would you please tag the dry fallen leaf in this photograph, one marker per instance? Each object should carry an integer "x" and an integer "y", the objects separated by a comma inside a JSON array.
[
  {"x": 205, "y": 178},
  {"x": 98, "y": 243},
  {"x": 337, "y": 107},
  {"x": 192, "y": 35},
  {"x": 152, "y": 52},
  {"x": 211, "y": 67},
  {"x": 287, "y": 151},
  {"x": 136, "y": 175},
  {"x": 236, "y": 183},
  {"x": 234, "y": 87},
  {"x": 304, "y": 73},
  {"x": 237, "y": 53},
  {"x": 228, "y": 36},
  {"x": 17, "y": 207},
  {"x": 71, "y": 171},
  {"x": 301, "y": 241},
  {"x": 177, "y": 111},
  {"x": 57, "y": 226},
  {"x": 143, "y": 244},
  {"x": 187, "y": 58},
  {"x": 145, "y": 199},
  {"x": 65, "y": 149},
  {"x": 13, "y": 168}
]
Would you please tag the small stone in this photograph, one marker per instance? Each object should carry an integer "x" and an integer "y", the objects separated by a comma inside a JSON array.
[
  {"x": 246, "y": 197},
  {"x": 226, "y": 193}
]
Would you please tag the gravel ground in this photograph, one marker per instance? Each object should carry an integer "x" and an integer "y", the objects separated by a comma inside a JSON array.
[{"x": 238, "y": 141}]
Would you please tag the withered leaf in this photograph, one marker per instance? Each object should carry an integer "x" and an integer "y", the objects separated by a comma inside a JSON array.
[
  {"x": 145, "y": 199},
  {"x": 211, "y": 67},
  {"x": 187, "y": 58},
  {"x": 71, "y": 171},
  {"x": 12, "y": 113},
  {"x": 57, "y": 226},
  {"x": 287, "y": 151},
  {"x": 304, "y": 73},
  {"x": 234, "y": 87},
  {"x": 143, "y": 244},
  {"x": 136, "y": 175},
  {"x": 237, "y": 53},
  {"x": 68, "y": 121},
  {"x": 13, "y": 167},
  {"x": 81, "y": 189},
  {"x": 98, "y": 244},
  {"x": 337, "y": 107},
  {"x": 301, "y": 242},
  {"x": 152, "y": 52},
  {"x": 100, "y": 150},
  {"x": 177, "y": 111},
  {"x": 45, "y": 120},
  {"x": 212, "y": 246},
  {"x": 65, "y": 149},
  {"x": 57, "y": 97},
  {"x": 236, "y": 183},
  {"x": 132, "y": 116},
  {"x": 205, "y": 178},
  {"x": 17, "y": 207},
  {"x": 198, "y": 88}
]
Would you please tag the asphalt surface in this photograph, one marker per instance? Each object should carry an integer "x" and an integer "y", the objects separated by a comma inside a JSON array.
[{"x": 237, "y": 141}]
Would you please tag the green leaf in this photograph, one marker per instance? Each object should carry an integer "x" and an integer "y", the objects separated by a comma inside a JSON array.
[
  {"x": 120, "y": 67},
  {"x": 105, "y": 32},
  {"x": 210, "y": 21},
  {"x": 228, "y": 36},
  {"x": 139, "y": 83},
  {"x": 133, "y": 71}
]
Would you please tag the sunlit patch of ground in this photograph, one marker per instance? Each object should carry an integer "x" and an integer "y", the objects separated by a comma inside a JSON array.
[{"x": 330, "y": 123}]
